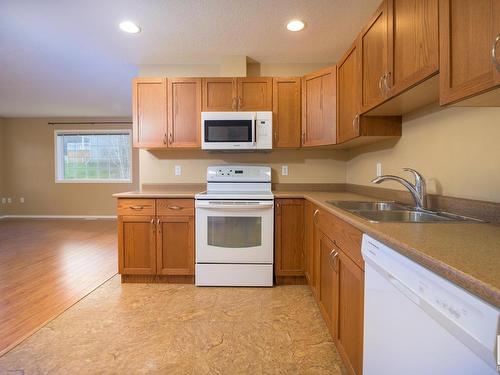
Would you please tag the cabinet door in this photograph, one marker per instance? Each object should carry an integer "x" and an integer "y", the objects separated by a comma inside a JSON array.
[
  {"x": 308, "y": 241},
  {"x": 319, "y": 108},
  {"x": 374, "y": 64},
  {"x": 184, "y": 112},
  {"x": 286, "y": 112},
  {"x": 413, "y": 27},
  {"x": 468, "y": 29},
  {"x": 289, "y": 237},
  {"x": 175, "y": 245},
  {"x": 149, "y": 111},
  {"x": 136, "y": 245},
  {"x": 350, "y": 313},
  {"x": 255, "y": 94},
  {"x": 219, "y": 94},
  {"x": 348, "y": 99},
  {"x": 328, "y": 280}
]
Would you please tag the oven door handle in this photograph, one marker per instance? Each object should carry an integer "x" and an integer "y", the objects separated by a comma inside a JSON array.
[{"x": 234, "y": 205}]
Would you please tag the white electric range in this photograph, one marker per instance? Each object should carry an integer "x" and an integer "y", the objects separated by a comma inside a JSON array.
[{"x": 235, "y": 227}]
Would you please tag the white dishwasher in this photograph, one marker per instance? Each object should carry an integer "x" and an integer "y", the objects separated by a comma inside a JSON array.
[{"x": 416, "y": 322}]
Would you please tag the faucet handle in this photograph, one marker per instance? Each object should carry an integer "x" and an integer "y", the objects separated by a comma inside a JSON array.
[{"x": 419, "y": 179}]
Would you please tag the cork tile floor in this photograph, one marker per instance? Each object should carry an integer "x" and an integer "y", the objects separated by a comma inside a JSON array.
[{"x": 181, "y": 329}]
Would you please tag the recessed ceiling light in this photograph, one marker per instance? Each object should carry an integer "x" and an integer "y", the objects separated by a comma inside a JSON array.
[
  {"x": 130, "y": 27},
  {"x": 295, "y": 25}
]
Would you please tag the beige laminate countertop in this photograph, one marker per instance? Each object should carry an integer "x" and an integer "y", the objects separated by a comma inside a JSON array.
[{"x": 467, "y": 254}]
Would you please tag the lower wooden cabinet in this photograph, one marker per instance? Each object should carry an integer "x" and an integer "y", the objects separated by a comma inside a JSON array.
[
  {"x": 175, "y": 245},
  {"x": 349, "y": 337},
  {"x": 137, "y": 245},
  {"x": 289, "y": 237},
  {"x": 336, "y": 278},
  {"x": 160, "y": 243}
]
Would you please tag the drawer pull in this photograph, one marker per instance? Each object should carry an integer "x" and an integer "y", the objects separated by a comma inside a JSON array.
[
  {"x": 316, "y": 212},
  {"x": 333, "y": 259},
  {"x": 494, "y": 52},
  {"x": 137, "y": 207},
  {"x": 174, "y": 208}
]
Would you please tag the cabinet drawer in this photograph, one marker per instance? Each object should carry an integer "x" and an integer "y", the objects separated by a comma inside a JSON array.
[
  {"x": 175, "y": 207},
  {"x": 136, "y": 206},
  {"x": 344, "y": 235}
]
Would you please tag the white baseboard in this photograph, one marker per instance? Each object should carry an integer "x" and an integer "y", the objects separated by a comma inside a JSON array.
[{"x": 65, "y": 217}]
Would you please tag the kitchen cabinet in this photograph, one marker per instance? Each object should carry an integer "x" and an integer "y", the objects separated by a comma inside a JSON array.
[
  {"x": 149, "y": 112},
  {"x": 309, "y": 209},
  {"x": 156, "y": 239},
  {"x": 289, "y": 237},
  {"x": 219, "y": 94},
  {"x": 286, "y": 112},
  {"x": 255, "y": 94},
  {"x": 328, "y": 283},
  {"x": 349, "y": 338},
  {"x": 237, "y": 94},
  {"x": 319, "y": 104},
  {"x": 399, "y": 49},
  {"x": 469, "y": 36},
  {"x": 184, "y": 112}
]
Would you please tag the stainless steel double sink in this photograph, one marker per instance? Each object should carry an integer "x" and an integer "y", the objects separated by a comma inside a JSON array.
[{"x": 395, "y": 212}]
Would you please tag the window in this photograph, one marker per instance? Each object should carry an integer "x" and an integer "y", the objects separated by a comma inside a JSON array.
[{"x": 93, "y": 156}]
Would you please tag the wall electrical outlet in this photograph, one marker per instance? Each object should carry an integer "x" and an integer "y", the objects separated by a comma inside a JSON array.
[
  {"x": 379, "y": 169},
  {"x": 284, "y": 170},
  {"x": 177, "y": 170},
  {"x": 9, "y": 200},
  {"x": 21, "y": 200}
]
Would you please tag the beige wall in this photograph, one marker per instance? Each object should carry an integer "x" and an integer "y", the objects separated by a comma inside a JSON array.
[
  {"x": 315, "y": 166},
  {"x": 29, "y": 173},
  {"x": 456, "y": 149}
]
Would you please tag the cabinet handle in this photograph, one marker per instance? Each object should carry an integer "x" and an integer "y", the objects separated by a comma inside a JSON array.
[
  {"x": 315, "y": 218},
  {"x": 152, "y": 221},
  {"x": 153, "y": 226},
  {"x": 137, "y": 207},
  {"x": 380, "y": 84},
  {"x": 165, "y": 139},
  {"x": 174, "y": 208},
  {"x": 333, "y": 257},
  {"x": 303, "y": 138},
  {"x": 170, "y": 138},
  {"x": 387, "y": 88},
  {"x": 275, "y": 134},
  {"x": 494, "y": 52},
  {"x": 355, "y": 123},
  {"x": 239, "y": 102},
  {"x": 233, "y": 103}
]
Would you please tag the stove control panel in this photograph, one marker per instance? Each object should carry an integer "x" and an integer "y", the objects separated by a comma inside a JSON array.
[{"x": 244, "y": 173}]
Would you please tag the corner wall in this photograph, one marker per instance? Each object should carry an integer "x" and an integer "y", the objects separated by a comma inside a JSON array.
[
  {"x": 456, "y": 149},
  {"x": 29, "y": 172},
  {"x": 2, "y": 167}
]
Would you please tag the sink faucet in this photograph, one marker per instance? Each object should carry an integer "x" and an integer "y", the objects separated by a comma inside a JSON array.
[{"x": 417, "y": 190}]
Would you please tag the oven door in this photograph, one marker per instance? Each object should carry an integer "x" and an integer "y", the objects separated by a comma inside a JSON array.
[
  {"x": 228, "y": 130},
  {"x": 234, "y": 231}
]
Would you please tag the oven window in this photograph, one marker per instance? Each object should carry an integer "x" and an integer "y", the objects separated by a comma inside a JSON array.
[
  {"x": 234, "y": 232},
  {"x": 228, "y": 130}
]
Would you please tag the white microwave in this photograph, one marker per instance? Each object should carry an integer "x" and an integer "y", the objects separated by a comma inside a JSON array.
[{"x": 237, "y": 130}]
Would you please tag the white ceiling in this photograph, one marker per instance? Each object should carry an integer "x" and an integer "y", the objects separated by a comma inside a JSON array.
[{"x": 68, "y": 58}]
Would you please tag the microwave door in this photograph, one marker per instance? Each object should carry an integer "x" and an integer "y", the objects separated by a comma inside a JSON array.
[{"x": 229, "y": 131}]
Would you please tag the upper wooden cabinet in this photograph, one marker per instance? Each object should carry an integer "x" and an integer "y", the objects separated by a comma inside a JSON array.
[
  {"x": 184, "y": 112},
  {"x": 319, "y": 104},
  {"x": 374, "y": 58},
  {"x": 255, "y": 94},
  {"x": 289, "y": 237},
  {"x": 219, "y": 94},
  {"x": 413, "y": 49},
  {"x": 237, "y": 94},
  {"x": 149, "y": 111},
  {"x": 468, "y": 39},
  {"x": 399, "y": 49},
  {"x": 286, "y": 112},
  {"x": 350, "y": 123}
]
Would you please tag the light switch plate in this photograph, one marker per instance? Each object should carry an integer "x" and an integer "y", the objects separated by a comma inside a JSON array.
[
  {"x": 4, "y": 200},
  {"x": 284, "y": 170},
  {"x": 9, "y": 200},
  {"x": 177, "y": 170},
  {"x": 21, "y": 200}
]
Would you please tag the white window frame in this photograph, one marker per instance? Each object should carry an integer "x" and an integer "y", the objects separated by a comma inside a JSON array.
[{"x": 58, "y": 165}]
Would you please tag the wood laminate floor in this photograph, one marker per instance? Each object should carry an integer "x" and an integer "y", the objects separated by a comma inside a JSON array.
[
  {"x": 46, "y": 266},
  {"x": 182, "y": 329}
]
